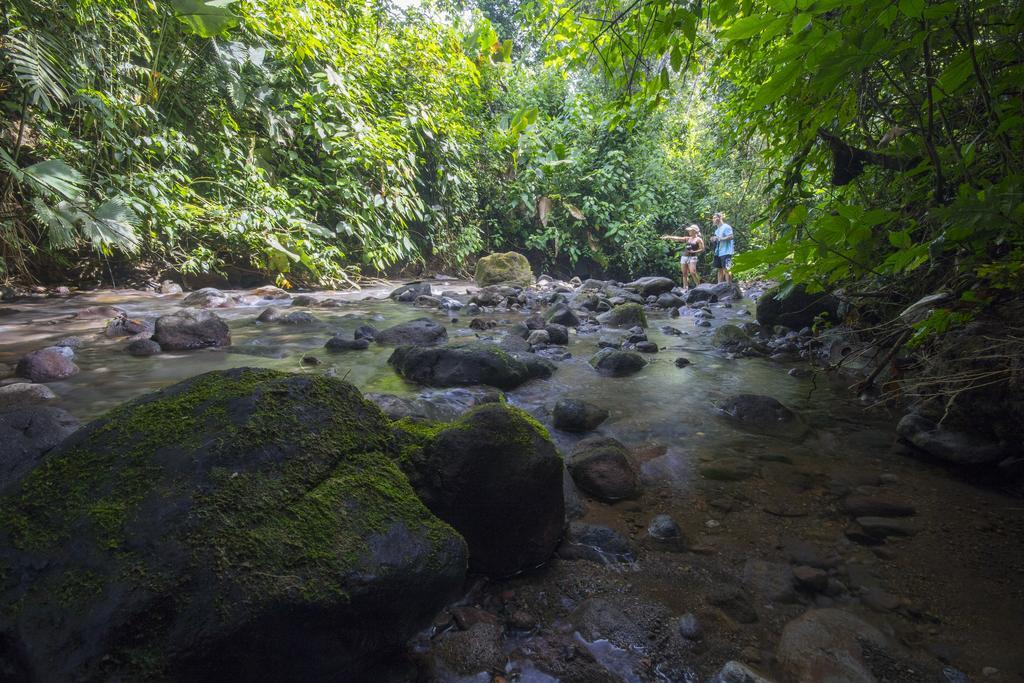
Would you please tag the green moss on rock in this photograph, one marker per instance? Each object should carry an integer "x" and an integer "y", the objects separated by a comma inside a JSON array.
[
  {"x": 505, "y": 268},
  {"x": 223, "y": 505}
]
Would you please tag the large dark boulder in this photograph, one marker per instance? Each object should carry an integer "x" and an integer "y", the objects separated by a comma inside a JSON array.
[
  {"x": 959, "y": 448},
  {"x": 651, "y": 286},
  {"x": 467, "y": 364},
  {"x": 617, "y": 363},
  {"x": 626, "y": 315},
  {"x": 601, "y": 466},
  {"x": 26, "y": 434},
  {"x": 191, "y": 329},
  {"x": 241, "y": 525},
  {"x": 510, "y": 267},
  {"x": 47, "y": 365},
  {"x": 421, "y": 331},
  {"x": 496, "y": 477},
  {"x": 764, "y": 415},
  {"x": 797, "y": 310}
]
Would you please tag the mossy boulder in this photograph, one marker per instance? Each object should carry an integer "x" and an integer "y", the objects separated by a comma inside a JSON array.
[
  {"x": 468, "y": 364},
  {"x": 242, "y": 524},
  {"x": 510, "y": 267},
  {"x": 626, "y": 315},
  {"x": 494, "y": 475}
]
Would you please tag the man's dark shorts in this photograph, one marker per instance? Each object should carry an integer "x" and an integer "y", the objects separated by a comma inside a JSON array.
[{"x": 722, "y": 262}]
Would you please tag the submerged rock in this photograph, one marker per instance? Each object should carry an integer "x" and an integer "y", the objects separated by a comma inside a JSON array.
[
  {"x": 601, "y": 466},
  {"x": 467, "y": 364},
  {"x": 561, "y": 314},
  {"x": 509, "y": 267},
  {"x": 47, "y": 365},
  {"x": 763, "y": 414},
  {"x": 421, "y": 331},
  {"x": 251, "y": 520},
  {"x": 574, "y": 415},
  {"x": 271, "y": 292},
  {"x": 495, "y": 476},
  {"x": 827, "y": 645},
  {"x": 595, "y": 543},
  {"x": 409, "y": 292},
  {"x": 191, "y": 329},
  {"x": 958, "y": 448},
  {"x": 142, "y": 347}
]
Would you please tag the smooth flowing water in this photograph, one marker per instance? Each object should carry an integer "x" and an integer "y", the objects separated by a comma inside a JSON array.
[{"x": 953, "y": 599}]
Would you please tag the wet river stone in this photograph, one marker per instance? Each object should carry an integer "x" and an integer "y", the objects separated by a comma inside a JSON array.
[
  {"x": 243, "y": 524},
  {"x": 191, "y": 329},
  {"x": 601, "y": 467},
  {"x": 626, "y": 315},
  {"x": 574, "y": 415},
  {"x": 651, "y": 286},
  {"x": 467, "y": 364},
  {"x": 421, "y": 332},
  {"x": 828, "y": 645},
  {"x": 47, "y": 365},
  {"x": 764, "y": 415},
  {"x": 798, "y": 309},
  {"x": 495, "y": 476},
  {"x": 207, "y": 297},
  {"x": 616, "y": 363}
]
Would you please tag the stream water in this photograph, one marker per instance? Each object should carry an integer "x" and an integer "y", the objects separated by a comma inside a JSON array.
[{"x": 950, "y": 595}]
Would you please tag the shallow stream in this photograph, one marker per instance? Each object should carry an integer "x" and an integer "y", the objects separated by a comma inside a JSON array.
[{"x": 953, "y": 594}]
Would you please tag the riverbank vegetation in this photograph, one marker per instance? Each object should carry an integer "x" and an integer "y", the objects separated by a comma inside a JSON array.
[{"x": 871, "y": 147}]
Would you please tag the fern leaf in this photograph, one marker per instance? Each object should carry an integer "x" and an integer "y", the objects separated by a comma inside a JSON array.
[
  {"x": 59, "y": 222},
  {"x": 113, "y": 226}
]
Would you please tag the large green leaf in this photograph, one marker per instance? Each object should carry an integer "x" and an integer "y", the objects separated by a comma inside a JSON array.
[
  {"x": 53, "y": 176},
  {"x": 206, "y": 18}
]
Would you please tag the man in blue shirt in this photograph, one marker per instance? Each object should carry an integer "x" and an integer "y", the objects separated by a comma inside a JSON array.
[{"x": 723, "y": 248}]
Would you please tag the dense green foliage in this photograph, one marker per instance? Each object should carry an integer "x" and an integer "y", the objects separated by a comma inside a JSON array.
[{"x": 311, "y": 140}]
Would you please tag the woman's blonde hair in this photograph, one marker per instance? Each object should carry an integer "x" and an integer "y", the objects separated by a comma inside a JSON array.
[{"x": 693, "y": 229}]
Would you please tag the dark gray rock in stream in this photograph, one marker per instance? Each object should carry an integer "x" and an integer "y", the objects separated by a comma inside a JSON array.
[
  {"x": 410, "y": 291},
  {"x": 958, "y": 448},
  {"x": 764, "y": 415},
  {"x": 663, "y": 528},
  {"x": 595, "y": 543},
  {"x": 561, "y": 314},
  {"x": 22, "y": 394},
  {"x": 668, "y": 300},
  {"x": 273, "y": 314},
  {"x": 626, "y": 315},
  {"x": 190, "y": 329},
  {"x": 496, "y": 477},
  {"x": 651, "y": 286},
  {"x": 47, "y": 365},
  {"x": 141, "y": 348},
  {"x": 574, "y": 415},
  {"x": 557, "y": 334},
  {"x": 338, "y": 343},
  {"x": 240, "y": 525},
  {"x": 420, "y": 332},
  {"x": 616, "y": 363},
  {"x": 797, "y": 310},
  {"x": 26, "y": 434},
  {"x": 366, "y": 332},
  {"x": 698, "y": 294},
  {"x": 602, "y": 467},
  {"x": 467, "y": 364}
]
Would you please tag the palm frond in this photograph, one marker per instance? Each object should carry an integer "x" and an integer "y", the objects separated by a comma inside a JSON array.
[
  {"x": 58, "y": 221},
  {"x": 35, "y": 57},
  {"x": 113, "y": 225}
]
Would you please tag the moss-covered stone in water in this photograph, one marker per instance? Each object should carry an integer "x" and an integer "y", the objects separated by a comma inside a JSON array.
[
  {"x": 509, "y": 267},
  {"x": 229, "y": 503}
]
